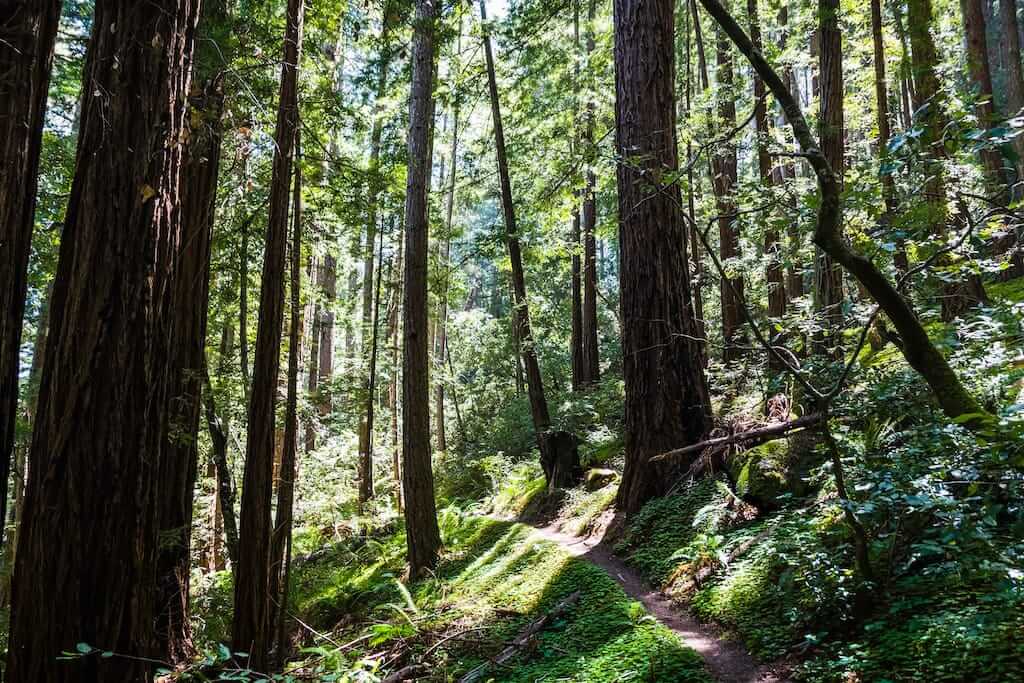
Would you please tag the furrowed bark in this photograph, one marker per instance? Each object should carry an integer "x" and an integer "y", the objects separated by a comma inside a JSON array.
[
  {"x": 28, "y": 31},
  {"x": 250, "y": 631},
  {"x": 667, "y": 402},
  {"x": 98, "y": 438}
]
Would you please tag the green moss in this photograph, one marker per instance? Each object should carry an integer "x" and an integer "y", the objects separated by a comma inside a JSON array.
[
  {"x": 1011, "y": 291},
  {"x": 495, "y": 578}
]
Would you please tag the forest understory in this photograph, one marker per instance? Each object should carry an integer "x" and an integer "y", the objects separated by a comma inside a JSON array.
[{"x": 511, "y": 340}]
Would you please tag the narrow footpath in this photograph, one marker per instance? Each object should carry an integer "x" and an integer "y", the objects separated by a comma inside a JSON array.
[{"x": 727, "y": 660}]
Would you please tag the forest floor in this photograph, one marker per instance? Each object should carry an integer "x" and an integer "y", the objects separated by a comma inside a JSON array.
[{"x": 727, "y": 660}]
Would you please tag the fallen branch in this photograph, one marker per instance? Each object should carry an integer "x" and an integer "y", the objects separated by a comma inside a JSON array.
[
  {"x": 763, "y": 434},
  {"x": 411, "y": 672},
  {"x": 523, "y": 638}
]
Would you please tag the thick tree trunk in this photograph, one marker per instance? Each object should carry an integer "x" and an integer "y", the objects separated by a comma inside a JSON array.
[
  {"x": 179, "y": 464},
  {"x": 828, "y": 276},
  {"x": 559, "y": 461},
  {"x": 981, "y": 84},
  {"x": 919, "y": 351},
  {"x": 933, "y": 120},
  {"x": 252, "y": 576},
  {"x": 98, "y": 438},
  {"x": 724, "y": 184},
  {"x": 1014, "y": 79},
  {"x": 774, "y": 277},
  {"x": 423, "y": 538},
  {"x": 591, "y": 357},
  {"x": 281, "y": 541},
  {"x": 28, "y": 30},
  {"x": 667, "y": 403}
]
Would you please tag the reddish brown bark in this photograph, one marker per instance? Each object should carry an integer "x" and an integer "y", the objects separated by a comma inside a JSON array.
[
  {"x": 187, "y": 354},
  {"x": 423, "y": 539},
  {"x": 99, "y": 434},
  {"x": 250, "y": 632},
  {"x": 28, "y": 30},
  {"x": 591, "y": 361},
  {"x": 667, "y": 402}
]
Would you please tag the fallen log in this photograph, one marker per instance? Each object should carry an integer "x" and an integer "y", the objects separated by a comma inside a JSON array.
[
  {"x": 523, "y": 638},
  {"x": 760, "y": 435},
  {"x": 411, "y": 673}
]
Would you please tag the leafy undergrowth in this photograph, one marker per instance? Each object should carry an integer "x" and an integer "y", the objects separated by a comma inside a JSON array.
[
  {"x": 493, "y": 580},
  {"x": 781, "y": 583}
]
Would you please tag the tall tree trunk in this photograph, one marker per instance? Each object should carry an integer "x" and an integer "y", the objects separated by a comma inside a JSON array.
[
  {"x": 957, "y": 296},
  {"x": 365, "y": 437},
  {"x": 774, "y": 277},
  {"x": 591, "y": 357},
  {"x": 179, "y": 464},
  {"x": 981, "y": 83},
  {"x": 828, "y": 277},
  {"x": 441, "y": 348},
  {"x": 1013, "y": 79},
  {"x": 313, "y": 362},
  {"x": 575, "y": 149},
  {"x": 423, "y": 538},
  {"x": 697, "y": 287},
  {"x": 366, "y": 465},
  {"x": 243, "y": 310},
  {"x": 559, "y": 474},
  {"x": 20, "y": 470},
  {"x": 98, "y": 438},
  {"x": 787, "y": 171},
  {"x": 281, "y": 541},
  {"x": 27, "y": 34},
  {"x": 396, "y": 326},
  {"x": 724, "y": 183},
  {"x": 325, "y": 346},
  {"x": 252, "y": 577},
  {"x": 884, "y": 128},
  {"x": 667, "y": 403}
]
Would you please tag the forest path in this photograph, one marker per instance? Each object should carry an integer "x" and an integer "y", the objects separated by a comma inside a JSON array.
[{"x": 727, "y": 660}]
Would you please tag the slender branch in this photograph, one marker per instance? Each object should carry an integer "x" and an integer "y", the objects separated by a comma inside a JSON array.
[{"x": 761, "y": 434}]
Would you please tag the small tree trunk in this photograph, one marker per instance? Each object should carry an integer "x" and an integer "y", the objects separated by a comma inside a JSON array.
[
  {"x": 366, "y": 466},
  {"x": 591, "y": 357},
  {"x": 774, "y": 278},
  {"x": 667, "y": 402},
  {"x": 559, "y": 468},
  {"x": 423, "y": 538},
  {"x": 724, "y": 183},
  {"x": 280, "y": 550},
  {"x": 1013, "y": 78},
  {"x": 219, "y": 455},
  {"x": 252, "y": 577}
]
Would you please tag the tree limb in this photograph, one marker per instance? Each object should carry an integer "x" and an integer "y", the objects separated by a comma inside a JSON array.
[{"x": 761, "y": 434}]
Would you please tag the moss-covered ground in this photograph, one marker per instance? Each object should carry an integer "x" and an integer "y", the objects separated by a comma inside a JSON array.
[{"x": 495, "y": 578}]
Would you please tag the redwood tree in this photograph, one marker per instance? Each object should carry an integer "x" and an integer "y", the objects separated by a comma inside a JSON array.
[
  {"x": 423, "y": 538},
  {"x": 98, "y": 438},
  {"x": 27, "y": 34},
  {"x": 667, "y": 402},
  {"x": 250, "y": 632}
]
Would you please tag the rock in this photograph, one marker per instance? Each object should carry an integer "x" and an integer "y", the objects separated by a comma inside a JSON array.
[{"x": 599, "y": 478}]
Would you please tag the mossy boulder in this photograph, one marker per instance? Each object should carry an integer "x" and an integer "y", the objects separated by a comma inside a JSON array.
[
  {"x": 598, "y": 478},
  {"x": 763, "y": 473}
]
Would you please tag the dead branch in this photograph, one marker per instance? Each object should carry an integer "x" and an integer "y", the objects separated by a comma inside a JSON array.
[
  {"x": 523, "y": 639},
  {"x": 760, "y": 435}
]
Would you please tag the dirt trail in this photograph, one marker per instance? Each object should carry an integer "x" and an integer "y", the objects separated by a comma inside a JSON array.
[{"x": 727, "y": 660}]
